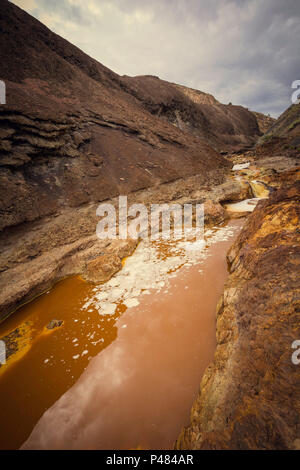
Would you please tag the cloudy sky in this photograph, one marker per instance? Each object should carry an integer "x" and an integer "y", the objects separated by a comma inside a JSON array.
[{"x": 242, "y": 51}]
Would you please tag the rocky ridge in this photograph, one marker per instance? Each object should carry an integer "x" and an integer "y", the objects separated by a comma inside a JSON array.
[{"x": 72, "y": 133}]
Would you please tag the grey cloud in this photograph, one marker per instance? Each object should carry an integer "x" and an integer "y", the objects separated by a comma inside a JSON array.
[{"x": 72, "y": 12}]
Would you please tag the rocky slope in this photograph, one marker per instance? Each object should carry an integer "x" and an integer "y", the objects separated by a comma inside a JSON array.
[
  {"x": 249, "y": 397},
  {"x": 73, "y": 131},
  {"x": 70, "y": 134},
  {"x": 225, "y": 127},
  {"x": 283, "y": 137}
]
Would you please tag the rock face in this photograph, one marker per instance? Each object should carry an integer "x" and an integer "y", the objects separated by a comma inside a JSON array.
[
  {"x": 231, "y": 191},
  {"x": 102, "y": 268},
  {"x": 249, "y": 397}
]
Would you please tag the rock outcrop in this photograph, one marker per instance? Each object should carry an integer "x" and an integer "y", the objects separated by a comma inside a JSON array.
[
  {"x": 249, "y": 397},
  {"x": 102, "y": 268}
]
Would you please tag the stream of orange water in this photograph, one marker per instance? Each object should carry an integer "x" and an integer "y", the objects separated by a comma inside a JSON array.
[{"x": 149, "y": 353}]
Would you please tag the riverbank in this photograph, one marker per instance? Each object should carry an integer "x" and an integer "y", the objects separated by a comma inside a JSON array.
[
  {"x": 37, "y": 255},
  {"x": 249, "y": 179},
  {"x": 249, "y": 396},
  {"x": 34, "y": 257},
  {"x": 144, "y": 338}
]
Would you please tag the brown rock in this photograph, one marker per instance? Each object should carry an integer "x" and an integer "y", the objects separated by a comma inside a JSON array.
[
  {"x": 122, "y": 248},
  {"x": 64, "y": 106},
  {"x": 5, "y": 145},
  {"x": 231, "y": 191},
  {"x": 213, "y": 212},
  {"x": 102, "y": 268},
  {"x": 249, "y": 397},
  {"x": 54, "y": 324},
  {"x": 283, "y": 136}
]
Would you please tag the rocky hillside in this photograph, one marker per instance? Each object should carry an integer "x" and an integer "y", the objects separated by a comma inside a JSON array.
[
  {"x": 73, "y": 131},
  {"x": 249, "y": 397},
  {"x": 288, "y": 124},
  {"x": 225, "y": 127},
  {"x": 283, "y": 135},
  {"x": 70, "y": 134}
]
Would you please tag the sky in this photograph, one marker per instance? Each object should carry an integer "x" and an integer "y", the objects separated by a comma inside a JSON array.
[{"x": 242, "y": 51}]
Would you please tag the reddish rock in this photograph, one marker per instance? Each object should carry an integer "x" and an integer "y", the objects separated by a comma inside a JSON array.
[
  {"x": 214, "y": 213},
  {"x": 102, "y": 268},
  {"x": 122, "y": 248},
  {"x": 249, "y": 397}
]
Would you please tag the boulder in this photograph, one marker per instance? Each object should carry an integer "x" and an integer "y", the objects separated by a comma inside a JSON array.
[
  {"x": 231, "y": 191},
  {"x": 214, "y": 213},
  {"x": 101, "y": 269},
  {"x": 122, "y": 248},
  {"x": 54, "y": 324}
]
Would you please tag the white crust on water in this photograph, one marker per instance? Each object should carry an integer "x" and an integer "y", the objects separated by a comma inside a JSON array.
[
  {"x": 248, "y": 205},
  {"x": 240, "y": 166},
  {"x": 151, "y": 267},
  {"x": 131, "y": 303}
]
